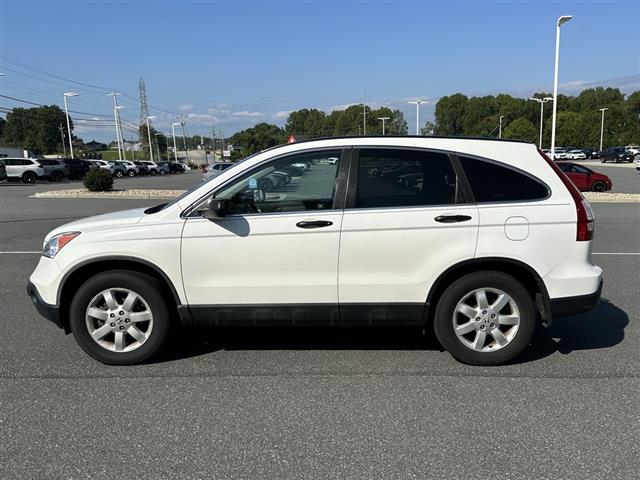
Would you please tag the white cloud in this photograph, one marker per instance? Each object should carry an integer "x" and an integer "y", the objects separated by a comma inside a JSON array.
[
  {"x": 186, "y": 107},
  {"x": 245, "y": 113},
  {"x": 282, "y": 114}
]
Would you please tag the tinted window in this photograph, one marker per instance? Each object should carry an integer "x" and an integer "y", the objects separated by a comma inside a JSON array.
[
  {"x": 293, "y": 183},
  {"x": 400, "y": 178},
  {"x": 491, "y": 182}
]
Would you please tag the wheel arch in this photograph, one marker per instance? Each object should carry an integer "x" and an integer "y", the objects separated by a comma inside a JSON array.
[
  {"x": 81, "y": 272},
  {"x": 529, "y": 278}
]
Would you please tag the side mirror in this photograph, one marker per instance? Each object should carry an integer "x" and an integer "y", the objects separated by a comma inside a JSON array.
[{"x": 216, "y": 209}]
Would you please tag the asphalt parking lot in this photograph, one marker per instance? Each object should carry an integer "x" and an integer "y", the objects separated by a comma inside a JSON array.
[{"x": 317, "y": 403}]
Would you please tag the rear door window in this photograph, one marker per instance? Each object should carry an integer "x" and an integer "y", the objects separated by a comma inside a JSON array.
[
  {"x": 389, "y": 177},
  {"x": 492, "y": 182}
]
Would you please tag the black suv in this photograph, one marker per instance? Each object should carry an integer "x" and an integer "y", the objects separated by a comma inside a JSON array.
[
  {"x": 591, "y": 152},
  {"x": 616, "y": 155},
  {"x": 77, "y": 168}
]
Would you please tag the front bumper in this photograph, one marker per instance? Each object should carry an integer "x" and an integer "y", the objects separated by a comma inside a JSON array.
[
  {"x": 564, "y": 306},
  {"x": 50, "y": 312}
]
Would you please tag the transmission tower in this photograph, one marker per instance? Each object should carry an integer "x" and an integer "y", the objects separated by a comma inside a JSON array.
[{"x": 144, "y": 110}]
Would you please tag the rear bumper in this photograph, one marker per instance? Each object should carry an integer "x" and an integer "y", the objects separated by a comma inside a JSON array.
[
  {"x": 50, "y": 312},
  {"x": 561, "y": 307}
]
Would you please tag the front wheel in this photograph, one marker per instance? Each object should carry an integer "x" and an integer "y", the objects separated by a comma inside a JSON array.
[
  {"x": 57, "y": 176},
  {"x": 131, "y": 173},
  {"x": 120, "y": 317},
  {"x": 29, "y": 177},
  {"x": 118, "y": 174},
  {"x": 598, "y": 187},
  {"x": 485, "y": 318},
  {"x": 163, "y": 172}
]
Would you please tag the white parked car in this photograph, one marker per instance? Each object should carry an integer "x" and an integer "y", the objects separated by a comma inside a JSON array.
[
  {"x": 214, "y": 169},
  {"x": 575, "y": 155},
  {"x": 104, "y": 165},
  {"x": 27, "y": 170},
  {"x": 635, "y": 149},
  {"x": 490, "y": 242}
]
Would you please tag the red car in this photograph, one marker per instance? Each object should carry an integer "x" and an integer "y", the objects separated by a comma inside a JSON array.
[{"x": 584, "y": 178}]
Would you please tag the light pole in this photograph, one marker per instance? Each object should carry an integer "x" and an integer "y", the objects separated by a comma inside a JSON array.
[
  {"x": 602, "y": 127},
  {"x": 157, "y": 134},
  {"x": 66, "y": 111},
  {"x": 384, "y": 119},
  {"x": 149, "y": 135},
  {"x": 114, "y": 94},
  {"x": 541, "y": 101},
  {"x": 173, "y": 134},
  {"x": 117, "y": 109},
  {"x": 500, "y": 127},
  {"x": 417, "y": 104},
  {"x": 64, "y": 145},
  {"x": 561, "y": 20}
]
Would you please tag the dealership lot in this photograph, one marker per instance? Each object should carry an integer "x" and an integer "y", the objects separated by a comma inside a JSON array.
[{"x": 318, "y": 403}]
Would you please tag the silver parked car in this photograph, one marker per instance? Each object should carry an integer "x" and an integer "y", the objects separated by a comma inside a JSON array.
[
  {"x": 55, "y": 170},
  {"x": 104, "y": 165},
  {"x": 28, "y": 170}
]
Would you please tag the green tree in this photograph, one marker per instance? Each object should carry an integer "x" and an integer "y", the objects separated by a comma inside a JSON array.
[
  {"x": 521, "y": 129},
  {"x": 430, "y": 128},
  {"x": 450, "y": 113},
  {"x": 35, "y": 129},
  {"x": 306, "y": 122},
  {"x": 261, "y": 136}
]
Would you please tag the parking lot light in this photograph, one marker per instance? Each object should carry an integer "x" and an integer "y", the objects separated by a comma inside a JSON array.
[
  {"x": 602, "y": 127},
  {"x": 384, "y": 119},
  {"x": 561, "y": 21},
  {"x": 66, "y": 111},
  {"x": 150, "y": 117},
  {"x": 417, "y": 104},
  {"x": 173, "y": 134},
  {"x": 116, "y": 110},
  {"x": 541, "y": 101}
]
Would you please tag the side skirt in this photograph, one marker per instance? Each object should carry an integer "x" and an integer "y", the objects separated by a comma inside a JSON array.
[{"x": 355, "y": 314}]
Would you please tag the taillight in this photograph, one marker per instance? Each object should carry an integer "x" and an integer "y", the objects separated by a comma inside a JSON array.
[{"x": 583, "y": 209}]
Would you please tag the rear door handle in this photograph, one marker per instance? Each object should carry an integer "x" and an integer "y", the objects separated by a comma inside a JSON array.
[
  {"x": 452, "y": 218},
  {"x": 314, "y": 224}
]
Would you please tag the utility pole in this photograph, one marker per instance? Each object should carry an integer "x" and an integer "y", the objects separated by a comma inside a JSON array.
[
  {"x": 500, "y": 130},
  {"x": 64, "y": 146},
  {"x": 213, "y": 143},
  {"x": 184, "y": 138}
]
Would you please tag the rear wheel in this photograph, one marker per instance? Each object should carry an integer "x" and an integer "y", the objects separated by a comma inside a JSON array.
[
  {"x": 163, "y": 172},
  {"x": 598, "y": 186},
  {"x": 131, "y": 173},
  {"x": 29, "y": 177},
  {"x": 57, "y": 176},
  {"x": 153, "y": 172},
  {"x": 118, "y": 173},
  {"x": 120, "y": 317},
  {"x": 485, "y": 318}
]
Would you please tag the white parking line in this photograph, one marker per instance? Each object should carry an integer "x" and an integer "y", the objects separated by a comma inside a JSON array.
[
  {"x": 25, "y": 252},
  {"x": 615, "y": 253}
]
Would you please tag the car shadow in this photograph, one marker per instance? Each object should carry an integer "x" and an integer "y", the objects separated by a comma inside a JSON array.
[{"x": 603, "y": 327}]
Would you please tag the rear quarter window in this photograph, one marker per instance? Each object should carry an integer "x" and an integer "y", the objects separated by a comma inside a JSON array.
[{"x": 492, "y": 182}]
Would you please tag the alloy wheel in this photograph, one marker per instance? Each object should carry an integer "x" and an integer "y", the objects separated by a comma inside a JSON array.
[
  {"x": 486, "y": 319},
  {"x": 119, "y": 320}
]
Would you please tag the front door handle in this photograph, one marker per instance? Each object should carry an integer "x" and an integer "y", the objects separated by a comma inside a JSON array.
[
  {"x": 452, "y": 218},
  {"x": 314, "y": 224}
]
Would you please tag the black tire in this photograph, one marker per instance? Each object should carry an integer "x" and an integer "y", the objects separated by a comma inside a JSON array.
[
  {"x": 131, "y": 173},
  {"x": 602, "y": 160},
  {"x": 147, "y": 287},
  {"x": 57, "y": 176},
  {"x": 265, "y": 184},
  {"x": 29, "y": 177},
  {"x": 118, "y": 174},
  {"x": 443, "y": 320},
  {"x": 598, "y": 186},
  {"x": 163, "y": 172},
  {"x": 153, "y": 172}
]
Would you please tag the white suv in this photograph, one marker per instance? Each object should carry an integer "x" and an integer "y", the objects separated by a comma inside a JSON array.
[
  {"x": 28, "y": 170},
  {"x": 481, "y": 238}
]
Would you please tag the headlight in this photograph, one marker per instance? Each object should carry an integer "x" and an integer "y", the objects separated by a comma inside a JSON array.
[{"x": 52, "y": 246}]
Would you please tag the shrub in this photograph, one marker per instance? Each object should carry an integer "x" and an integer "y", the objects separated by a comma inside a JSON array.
[{"x": 98, "y": 181}]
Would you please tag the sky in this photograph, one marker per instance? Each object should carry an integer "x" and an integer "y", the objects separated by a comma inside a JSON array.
[{"x": 232, "y": 64}]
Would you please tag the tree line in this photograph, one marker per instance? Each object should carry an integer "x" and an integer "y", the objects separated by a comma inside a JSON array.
[{"x": 578, "y": 123}]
